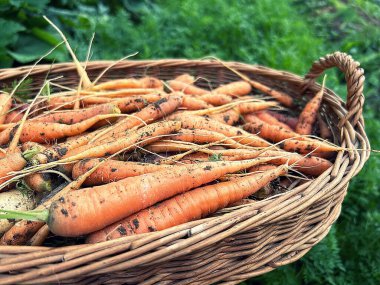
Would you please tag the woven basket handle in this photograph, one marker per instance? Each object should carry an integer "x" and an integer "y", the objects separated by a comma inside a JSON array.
[{"x": 354, "y": 77}]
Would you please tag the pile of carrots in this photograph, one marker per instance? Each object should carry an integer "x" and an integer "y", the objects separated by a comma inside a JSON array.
[
  {"x": 138, "y": 155},
  {"x": 128, "y": 156}
]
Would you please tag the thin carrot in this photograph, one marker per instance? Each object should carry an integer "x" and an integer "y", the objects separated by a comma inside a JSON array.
[
  {"x": 309, "y": 114},
  {"x": 239, "y": 135},
  {"x": 192, "y": 205},
  {"x": 112, "y": 170},
  {"x": 5, "y": 106},
  {"x": 186, "y": 88},
  {"x": 206, "y": 136},
  {"x": 251, "y": 107},
  {"x": 76, "y": 116},
  {"x": 13, "y": 117},
  {"x": 286, "y": 119},
  {"x": 269, "y": 119},
  {"x": 320, "y": 148},
  {"x": 216, "y": 99},
  {"x": 238, "y": 88},
  {"x": 146, "y": 82},
  {"x": 40, "y": 236},
  {"x": 192, "y": 103},
  {"x": 45, "y": 132},
  {"x": 164, "y": 146}
]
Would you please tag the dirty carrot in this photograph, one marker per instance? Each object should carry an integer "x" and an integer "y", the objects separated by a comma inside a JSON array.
[
  {"x": 286, "y": 119},
  {"x": 229, "y": 117},
  {"x": 238, "y": 88},
  {"x": 216, "y": 99},
  {"x": 189, "y": 206},
  {"x": 309, "y": 114},
  {"x": 192, "y": 103},
  {"x": 45, "y": 132},
  {"x": 250, "y": 107},
  {"x": 39, "y": 182},
  {"x": 269, "y": 119},
  {"x": 112, "y": 170}
]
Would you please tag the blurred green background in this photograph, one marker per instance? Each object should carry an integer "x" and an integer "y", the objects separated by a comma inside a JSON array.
[{"x": 288, "y": 34}]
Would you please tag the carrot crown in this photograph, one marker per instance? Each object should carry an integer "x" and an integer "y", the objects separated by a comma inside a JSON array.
[{"x": 33, "y": 215}]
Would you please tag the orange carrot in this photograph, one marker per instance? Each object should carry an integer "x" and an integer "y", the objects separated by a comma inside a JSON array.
[
  {"x": 189, "y": 206},
  {"x": 39, "y": 182},
  {"x": 239, "y": 135},
  {"x": 286, "y": 119},
  {"x": 146, "y": 82},
  {"x": 205, "y": 136},
  {"x": 186, "y": 78},
  {"x": 229, "y": 117},
  {"x": 143, "y": 136},
  {"x": 192, "y": 103},
  {"x": 14, "y": 162},
  {"x": 13, "y": 117},
  {"x": 216, "y": 99},
  {"x": 91, "y": 209},
  {"x": 112, "y": 170},
  {"x": 162, "y": 146},
  {"x": 151, "y": 82},
  {"x": 250, "y": 107},
  {"x": 5, "y": 106},
  {"x": 282, "y": 97},
  {"x": 306, "y": 146},
  {"x": 262, "y": 167},
  {"x": 309, "y": 114},
  {"x": 45, "y": 132},
  {"x": 269, "y": 119},
  {"x": 186, "y": 88},
  {"x": 76, "y": 116},
  {"x": 274, "y": 133},
  {"x": 238, "y": 88}
]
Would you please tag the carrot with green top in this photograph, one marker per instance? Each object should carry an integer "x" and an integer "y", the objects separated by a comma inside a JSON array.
[
  {"x": 192, "y": 205},
  {"x": 90, "y": 209}
]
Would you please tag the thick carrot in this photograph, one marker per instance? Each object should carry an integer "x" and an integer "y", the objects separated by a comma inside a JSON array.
[
  {"x": 216, "y": 99},
  {"x": 192, "y": 103},
  {"x": 76, "y": 116},
  {"x": 186, "y": 207},
  {"x": 274, "y": 133},
  {"x": 91, "y": 209},
  {"x": 238, "y": 88},
  {"x": 5, "y": 106},
  {"x": 229, "y": 117},
  {"x": 45, "y": 132},
  {"x": 239, "y": 135},
  {"x": 186, "y": 88},
  {"x": 309, "y": 114},
  {"x": 205, "y": 136},
  {"x": 186, "y": 78},
  {"x": 269, "y": 119},
  {"x": 151, "y": 82},
  {"x": 112, "y": 170},
  {"x": 61, "y": 102},
  {"x": 286, "y": 119}
]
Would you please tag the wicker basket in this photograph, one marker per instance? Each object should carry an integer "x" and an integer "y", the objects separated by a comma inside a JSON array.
[{"x": 237, "y": 243}]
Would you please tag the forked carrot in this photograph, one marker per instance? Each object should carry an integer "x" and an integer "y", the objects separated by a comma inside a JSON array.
[
  {"x": 309, "y": 114},
  {"x": 189, "y": 206}
]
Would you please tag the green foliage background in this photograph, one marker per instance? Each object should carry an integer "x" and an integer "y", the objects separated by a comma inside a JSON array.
[{"x": 288, "y": 34}]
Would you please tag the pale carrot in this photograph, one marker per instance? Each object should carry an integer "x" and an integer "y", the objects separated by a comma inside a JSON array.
[
  {"x": 5, "y": 106},
  {"x": 238, "y": 88},
  {"x": 186, "y": 88}
]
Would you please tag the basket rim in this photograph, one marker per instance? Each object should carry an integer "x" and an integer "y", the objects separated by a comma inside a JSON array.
[{"x": 338, "y": 176}]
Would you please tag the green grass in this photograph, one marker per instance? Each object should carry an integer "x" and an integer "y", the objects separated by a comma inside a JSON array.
[{"x": 286, "y": 35}]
